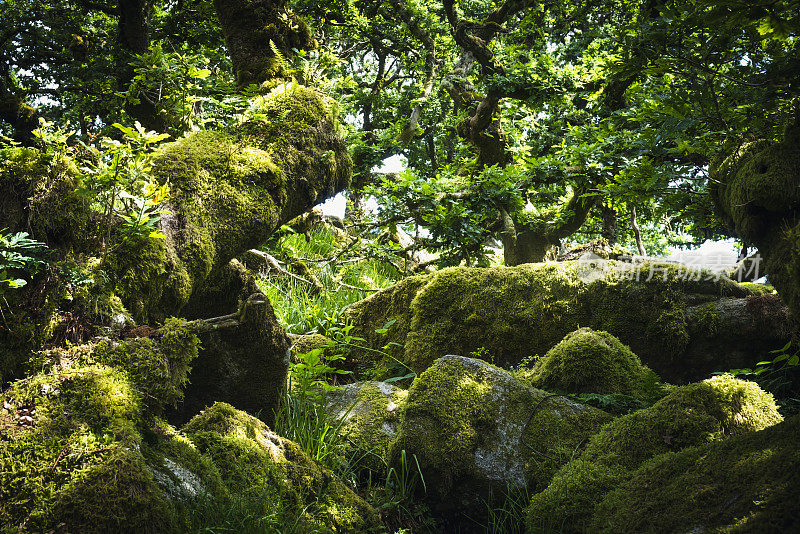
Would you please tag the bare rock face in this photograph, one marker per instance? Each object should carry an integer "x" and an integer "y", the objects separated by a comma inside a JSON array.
[{"x": 476, "y": 430}]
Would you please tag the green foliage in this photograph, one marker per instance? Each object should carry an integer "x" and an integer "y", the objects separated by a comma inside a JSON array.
[
  {"x": 779, "y": 375},
  {"x": 302, "y": 417},
  {"x": 185, "y": 93},
  {"x": 302, "y": 309},
  {"x": 506, "y": 513},
  {"x": 404, "y": 479},
  {"x": 119, "y": 186},
  {"x": 19, "y": 256}
]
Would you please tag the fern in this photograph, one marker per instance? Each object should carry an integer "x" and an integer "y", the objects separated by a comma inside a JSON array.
[{"x": 278, "y": 55}]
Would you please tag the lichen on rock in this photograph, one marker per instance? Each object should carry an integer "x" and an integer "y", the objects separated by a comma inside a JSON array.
[{"x": 368, "y": 413}]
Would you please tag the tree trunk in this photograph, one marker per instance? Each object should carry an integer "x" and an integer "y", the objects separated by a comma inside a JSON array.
[
  {"x": 260, "y": 35},
  {"x": 637, "y": 233},
  {"x": 22, "y": 117},
  {"x": 527, "y": 246},
  {"x": 242, "y": 361},
  {"x": 609, "y": 231},
  {"x": 133, "y": 36}
]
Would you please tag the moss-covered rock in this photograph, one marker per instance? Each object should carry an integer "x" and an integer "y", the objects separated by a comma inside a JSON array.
[
  {"x": 243, "y": 361},
  {"x": 475, "y": 429},
  {"x": 587, "y": 361},
  {"x": 368, "y": 413},
  {"x": 306, "y": 343},
  {"x": 251, "y": 455},
  {"x": 712, "y": 410},
  {"x": 81, "y": 452},
  {"x": 690, "y": 415},
  {"x": 568, "y": 502},
  {"x": 748, "y": 483},
  {"x": 71, "y": 454},
  {"x": 157, "y": 365},
  {"x": 519, "y": 312}
]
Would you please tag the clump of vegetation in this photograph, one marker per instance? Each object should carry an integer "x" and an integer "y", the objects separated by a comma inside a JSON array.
[{"x": 587, "y": 361}]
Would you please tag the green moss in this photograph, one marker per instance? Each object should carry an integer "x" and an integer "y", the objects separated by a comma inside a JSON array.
[
  {"x": 519, "y": 311},
  {"x": 748, "y": 483},
  {"x": 157, "y": 366},
  {"x": 587, "y": 361},
  {"x": 718, "y": 408},
  {"x": 251, "y": 456},
  {"x": 707, "y": 320},
  {"x": 40, "y": 197},
  {"x": 78, "y": 462},
  {"x": 759, "y": 289},
  {"x": 567, "y": 504},
  {"x": 228, "y": 191},
  {"x": 755, "y": 190},
  {"x": 371, "y": 314},
  {"x": 690, "y": 415},
  {"x": 307, "y": 343},
  {"x": 473, "y": 427}
]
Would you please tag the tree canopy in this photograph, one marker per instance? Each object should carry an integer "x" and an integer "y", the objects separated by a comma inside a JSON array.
[{"x": 524, "y": 121}]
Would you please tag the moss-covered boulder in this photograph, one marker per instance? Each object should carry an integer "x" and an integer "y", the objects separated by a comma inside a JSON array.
[
  {"x": 157, "y": 364},
  {"x": 756, "y": 190},
  {"x": 518, "y": 312},
  {"x": 81, "y": 451},
  {"x": 303, "y": 344},
  {"x": 71, "y": 453},
  {"x": 587, "y": 361},
  {"x": 251, "y": 456},
  {"x": 243, "y": 361},
  {"x": 475, "y": 430},
  {"x": 567, "y": 504},
  {"x": 712, "y": 410},
  {"x": 746, "y": 484},
  {"x": 368, "y": 414}
]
